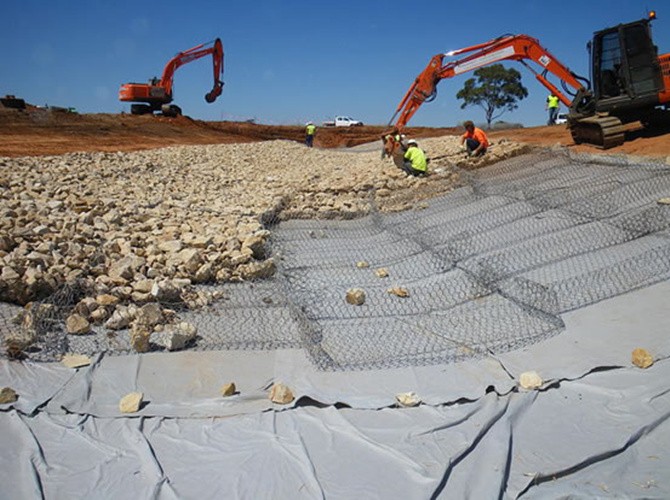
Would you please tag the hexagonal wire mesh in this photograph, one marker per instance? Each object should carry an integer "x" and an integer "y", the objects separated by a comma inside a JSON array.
[{"x": 488, "y": 268}]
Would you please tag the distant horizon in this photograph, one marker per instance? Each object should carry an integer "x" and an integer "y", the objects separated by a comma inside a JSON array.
[{"x": 251, "y": 121}]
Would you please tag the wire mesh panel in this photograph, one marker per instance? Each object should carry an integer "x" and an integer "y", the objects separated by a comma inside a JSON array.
[
  {"x": 437, "y": 292},
  {"x": 469, "y": 243},
  {"x": 622, "y": 199},
  {"x": 441, "y": 232},
  {"x": 504, "y": 176},
  {"x": 337, "y": 249},
  {"x": 484, "y": 269},
  {"x": 644, "y": 220},
  {"x": 375, "y": 274},
  {"x": 544, "y": 250},
  {"x": 477, "y": 328},
  {"x": 576, "y": 282}
]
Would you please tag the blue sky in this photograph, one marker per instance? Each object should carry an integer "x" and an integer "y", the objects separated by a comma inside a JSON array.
[{"x": 287, "y": 62}]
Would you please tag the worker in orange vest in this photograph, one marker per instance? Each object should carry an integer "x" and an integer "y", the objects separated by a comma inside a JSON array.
[{"x": 474, "y": 138}]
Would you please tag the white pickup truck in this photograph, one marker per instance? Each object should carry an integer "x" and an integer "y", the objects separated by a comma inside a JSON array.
[{"x": 343, "y": 121}]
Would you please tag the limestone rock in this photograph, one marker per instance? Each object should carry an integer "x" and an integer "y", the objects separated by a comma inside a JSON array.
[
  {"x": 121, "y": 318},
  {"x": 77, "y": 325},
  {"x": 130, "y": 403},
  {"x": 407, "y": 399},
  {"x": 355, "y": 296},
  {"x": 281, "y": 394},
  {"x": 257, "y": 246},
  {"x": 143, "y": 286},
  {"x": 107, "y": 300},
  {"x": 139, "y": 337},
  {"x": 530, "y": 380},
  {"x": 166, "y": 291},
  {"x": 205, "y": 273},
  {"x": 172, "y": 246},
  {"x": 122, "y": 269},
  {"x": 99, "y": 315},
  {"x": 9, "y": 275},
  {"x": 86, "y": 306},
  {"x": 382, "y": 272},
  {"x": 149, "y": 314},
  {"x": 6, "y": 243},
  {"x": 228, "y": 389},
  {"x": 175, "y": 337},
  {"x": 75, "y": 360},
  {"x": 642, "y": 358},
  {"x": 398, "y": 291},
  {"x": 8, "y": 395},
  {"x": 258, "y": 270},
  {"x": 191, "y": 259}
]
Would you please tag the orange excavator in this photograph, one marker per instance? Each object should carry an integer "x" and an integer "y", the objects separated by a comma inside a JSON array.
[
  {"x": 157, "y": 94},
  {"x": 631, "y": 82}
]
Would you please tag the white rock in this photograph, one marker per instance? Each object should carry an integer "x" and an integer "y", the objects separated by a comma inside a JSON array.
[
  {"x": 130, "y": 403},
  {"x": 75, "y": 360},
  {"x": 281, "y": 394},
  {"x": 408, "y": 399},
  {"x": 355, "y": 296},
  {"x": 530, "y": 380},
  {"x": 77, "y": 325}
]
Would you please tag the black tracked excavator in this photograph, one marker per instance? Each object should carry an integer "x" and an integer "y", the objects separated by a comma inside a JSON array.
[{"x": 629, "y": 82}]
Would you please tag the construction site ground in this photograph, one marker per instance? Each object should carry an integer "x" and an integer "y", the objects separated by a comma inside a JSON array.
[
  {"x": 37, "y": 131},
  {"x": 512, "y": 341}
]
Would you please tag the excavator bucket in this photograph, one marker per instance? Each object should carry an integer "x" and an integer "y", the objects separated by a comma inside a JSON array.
[
  {"x": 393, "y": 148},
  {"x": 211, "y": 96}
]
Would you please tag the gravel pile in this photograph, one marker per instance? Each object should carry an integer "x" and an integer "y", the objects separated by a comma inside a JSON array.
[{"x": 137, "y": 226}]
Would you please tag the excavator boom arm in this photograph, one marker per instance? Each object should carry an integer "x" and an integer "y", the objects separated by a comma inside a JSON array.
[
  {"x": 520, "y": 48},
  {"x": 214, "y": 48}
]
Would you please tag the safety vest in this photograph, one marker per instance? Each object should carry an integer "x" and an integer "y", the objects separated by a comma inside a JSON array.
[
  {"x": 553, "y": 101},
  {"x": 311, "y": 129},
  {"x": 418, "y": 159}
]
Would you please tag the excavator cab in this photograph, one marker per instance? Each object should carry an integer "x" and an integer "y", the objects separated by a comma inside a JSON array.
[
  {"x": 630, "y": 82},
  {"x": 625, "y": 72}
]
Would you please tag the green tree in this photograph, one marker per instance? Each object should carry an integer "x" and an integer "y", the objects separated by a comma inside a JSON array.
[{"x": 493, "y": 88}]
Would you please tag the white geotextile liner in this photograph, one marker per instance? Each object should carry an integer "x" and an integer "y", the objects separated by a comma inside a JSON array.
[
  {"x": 604, "y": 434},
  {"x": 598, "y": 427}
]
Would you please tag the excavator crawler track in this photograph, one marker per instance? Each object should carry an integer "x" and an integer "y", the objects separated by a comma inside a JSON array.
[{"x": 603, "y": 132}]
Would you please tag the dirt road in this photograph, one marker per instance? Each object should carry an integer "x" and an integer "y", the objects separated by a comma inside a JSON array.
[{"x": 37, "y": 131}]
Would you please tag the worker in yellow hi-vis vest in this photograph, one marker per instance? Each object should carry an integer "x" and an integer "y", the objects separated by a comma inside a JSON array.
[
  {"x": 415, "y": 162},
  {"x": 552, "y": 106},
  {"x": 310, "y": 130}
]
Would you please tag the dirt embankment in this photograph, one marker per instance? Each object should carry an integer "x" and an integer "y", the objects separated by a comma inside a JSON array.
[{"x": 36, "y": 131}]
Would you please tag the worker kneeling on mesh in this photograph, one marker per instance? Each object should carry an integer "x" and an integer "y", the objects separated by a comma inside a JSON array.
[
  {"x": 414, "y": 159},
  {"x": 475, "y": 139}
]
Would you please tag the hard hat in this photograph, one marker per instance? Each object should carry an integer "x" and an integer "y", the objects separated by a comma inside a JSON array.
[
  {"x": 412, "y": 141},
  {"x": 308, "y": 123}
]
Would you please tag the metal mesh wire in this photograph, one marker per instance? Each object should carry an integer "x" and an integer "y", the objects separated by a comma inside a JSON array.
[{"x": 488, "y": 268}]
